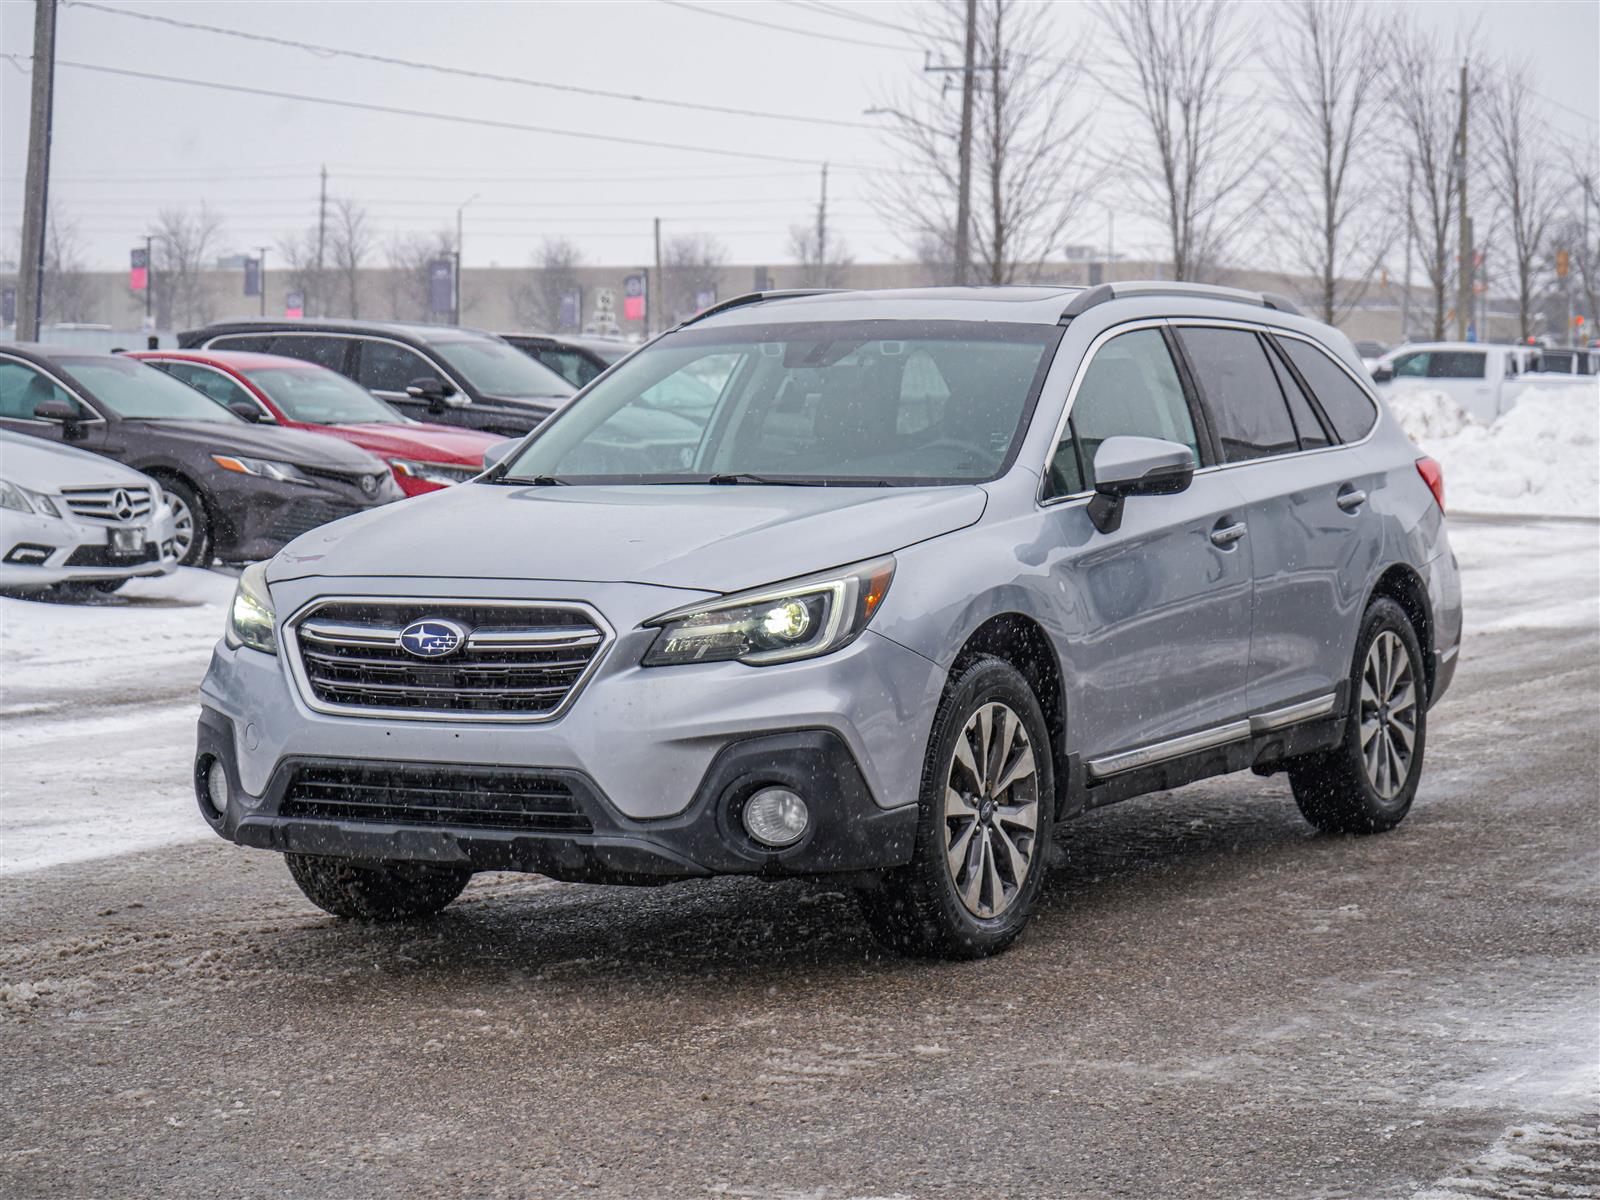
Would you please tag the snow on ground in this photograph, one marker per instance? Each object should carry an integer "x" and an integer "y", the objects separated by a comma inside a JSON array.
[{"x": 1541, "y": 456}]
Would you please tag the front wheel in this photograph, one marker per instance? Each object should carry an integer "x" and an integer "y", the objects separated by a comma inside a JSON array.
[
  {"x": 984, "y": 823},
  {"x": 1367, "y": 782},
  {"x": 191, "y": 526},
  {"x": 374, "y": 891}
]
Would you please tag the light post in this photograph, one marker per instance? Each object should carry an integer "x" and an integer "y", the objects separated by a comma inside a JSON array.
[{"x": 459, "y": 211}]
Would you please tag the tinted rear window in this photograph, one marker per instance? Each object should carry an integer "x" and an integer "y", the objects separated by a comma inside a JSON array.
[
  {"x": 1346, "y": 405},
  {"x": 1241, "y": 393}
]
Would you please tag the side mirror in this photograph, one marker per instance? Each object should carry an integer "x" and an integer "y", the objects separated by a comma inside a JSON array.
[
  {"x": 59, "y": 410},
  {"x": 439, "y": 393},
  {"x": 1382, "y": 374},
  {"x": 1135, "y": 466},
  {"x": 245, "y": 411},
  {"x": 499, "y": 452}
]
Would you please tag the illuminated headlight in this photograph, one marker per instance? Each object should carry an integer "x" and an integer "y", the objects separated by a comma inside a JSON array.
[
  {"x": 250, "y": 616},
  {"x": 281, "y": 472},
  {"x": 20, "y": 499},
  {"x": 802, "y": 619},
  {"x": 440, "y": 473}
]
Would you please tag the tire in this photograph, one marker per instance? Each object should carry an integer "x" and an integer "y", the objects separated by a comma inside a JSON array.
[
  {"x": 978, "y": 906},
  {"x": 1367, "y": 782},
  {"x": 372, "y": 891},
  {"x": 107, "y": 586},
  {"x": 193, "y": 522}
]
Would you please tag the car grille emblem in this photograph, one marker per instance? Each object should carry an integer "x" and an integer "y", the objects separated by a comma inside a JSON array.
[
  {"x": 122, "y": 505},
  {"x": 430, "y": 638}
]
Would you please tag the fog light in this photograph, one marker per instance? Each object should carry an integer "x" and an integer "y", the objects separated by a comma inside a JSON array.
[
  {"x": 217, "y": 787},
  {"x": 776, "y": 817}
]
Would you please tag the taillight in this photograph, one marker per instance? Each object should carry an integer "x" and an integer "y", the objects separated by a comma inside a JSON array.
[{"x": 1432, "y": 475}]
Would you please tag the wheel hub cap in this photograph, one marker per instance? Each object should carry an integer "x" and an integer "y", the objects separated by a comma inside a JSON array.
[
  {"x": 1388, "y": 715},
  {"x": 991, "y": 813}
]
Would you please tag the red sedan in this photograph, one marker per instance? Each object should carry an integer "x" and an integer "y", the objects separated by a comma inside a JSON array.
[{"x": 300, "y": 395}]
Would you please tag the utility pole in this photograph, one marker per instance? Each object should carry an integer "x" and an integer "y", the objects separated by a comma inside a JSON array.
[
  {"x": 1405, "y": 293},
  {"x": 149, "y": 282},
  {"x": 964, "y": 190},
  {"x": 261, "y": 276},
  {"x": 459, "y": 211},
  {"x": 652, "y": 301},
  {"x": 36, "y": 193},
  {"x": 322, "y": 238},
  {"x": 822, "y": 233},
  {"x": 1464, "y": 274}
]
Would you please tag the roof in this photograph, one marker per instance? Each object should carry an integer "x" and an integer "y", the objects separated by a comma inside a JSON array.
[
  {"x": 238, "y": 360},
  {"x": 418, "y": 331},
  {"x": 1033, "y": 305},
  {"x": 49, "y": 353}
]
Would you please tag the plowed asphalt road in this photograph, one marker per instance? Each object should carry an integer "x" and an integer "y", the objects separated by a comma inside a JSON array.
[{"x": 1216, "y": 1001}]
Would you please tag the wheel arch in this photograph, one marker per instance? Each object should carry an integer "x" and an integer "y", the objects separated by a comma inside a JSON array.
[
  {"x": 163, "y": 472},
  {"x": 1402, "y": 584}
]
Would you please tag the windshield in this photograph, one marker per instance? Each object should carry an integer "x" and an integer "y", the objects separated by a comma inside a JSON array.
[
  {"x": 140, "y": 393},
  {"x": 318, "y": 397},
  {"x": 862, "y": 402},
  {"x": 500, "y": 369}
]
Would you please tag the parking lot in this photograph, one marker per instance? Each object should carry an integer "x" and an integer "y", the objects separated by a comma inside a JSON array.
[{"x": 1214, "y": 1000}]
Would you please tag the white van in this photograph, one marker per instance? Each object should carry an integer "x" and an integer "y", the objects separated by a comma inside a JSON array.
[{"x": 1479, "y": 376}]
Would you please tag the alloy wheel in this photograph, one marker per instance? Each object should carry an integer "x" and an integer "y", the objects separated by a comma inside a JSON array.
[
  {"x": 991, "y": 810},
  {"x": 1388, "y": 714},
  {"x": 182, "y": 525}
]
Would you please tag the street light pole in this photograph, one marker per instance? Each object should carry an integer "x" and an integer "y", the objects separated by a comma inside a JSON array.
[
  {"x": 459, "y": 211},
  {"x": 36, "y": 188},
  {"x": 261, "y": 276}
]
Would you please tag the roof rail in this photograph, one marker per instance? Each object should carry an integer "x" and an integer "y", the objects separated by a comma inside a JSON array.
[
  {"x": 723, "y": 306},
  {"x": 1090, "y": 297}
]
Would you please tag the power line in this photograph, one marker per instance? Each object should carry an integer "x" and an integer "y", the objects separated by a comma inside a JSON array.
[
  {"x": 465, "y": 72},
  {"x": 812, "y": 33},
  {"x": 395, "y": 110}
]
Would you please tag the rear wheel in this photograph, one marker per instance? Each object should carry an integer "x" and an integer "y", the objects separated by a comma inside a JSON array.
[
  {"x": 1367, "y": 782},
  {"x": 984, "y": 823},
  {"x": 374, "y": 891},
  {"x": 191, "y": 526}
]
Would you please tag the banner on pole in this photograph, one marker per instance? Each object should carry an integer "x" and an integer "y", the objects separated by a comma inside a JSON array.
[
  {"x": 633, "y": 298},
  {"x": 138, "y": 269},
  {"x": 294, "y": 304},
  {"x": 570, "y": 316},
  {"x": 8, "y": 305},
  {"x": 252, "y": 277},
  {"x": 441, "y": 287}
]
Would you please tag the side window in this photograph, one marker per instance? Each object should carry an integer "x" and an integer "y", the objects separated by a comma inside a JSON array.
[
  {"x": 256, "y": 343},
  {"x": 1350, "y": 410},
  {"x": 386, "y": 367},
  {"x": 1306, "y": 422},
  {"x": 1457, "y": 364},
  {"x": 1132, "y": 388},
  {"x": 1407, "y": 366},
  {"x": 203, "y": 379},
  {"x": 324, "y": 351},
  {"x": 1242, "y": 395},
  {"x": 22, "y": 388}
]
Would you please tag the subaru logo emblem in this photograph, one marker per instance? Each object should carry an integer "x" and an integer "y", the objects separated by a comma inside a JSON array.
[{"x": 431, "y": 638}]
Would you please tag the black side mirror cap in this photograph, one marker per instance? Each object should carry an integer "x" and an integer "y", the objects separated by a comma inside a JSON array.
[
  {"x": 1136, "y": 466},
  {"x": 56, "y": 410},
  {"x": 245, "y": 411},
  {"x": 1382, "y": 374}
]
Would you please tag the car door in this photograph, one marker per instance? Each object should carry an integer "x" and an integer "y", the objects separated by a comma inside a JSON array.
[
  {"x": 1310, "y": 525},
  {"x": 1157, "y": 613},
  {"x": 387, "y": 369}
]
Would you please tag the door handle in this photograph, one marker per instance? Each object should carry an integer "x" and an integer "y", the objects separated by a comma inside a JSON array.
[
  {"x": 1224, "y": 536},
  {"x": 1351, "y": 499}
]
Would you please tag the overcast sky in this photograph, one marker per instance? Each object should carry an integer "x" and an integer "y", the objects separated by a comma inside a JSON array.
[{"x": 125, "y": 147}]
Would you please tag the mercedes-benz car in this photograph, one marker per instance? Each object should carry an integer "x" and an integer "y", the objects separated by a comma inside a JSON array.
[
  {"x": 70, "y": 517},
  {"x": 942, "y": 569}
]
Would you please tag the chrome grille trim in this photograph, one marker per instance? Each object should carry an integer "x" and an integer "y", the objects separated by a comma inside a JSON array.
[
  {"x": 99, "y": 503},
  {"x": 315, "y": 650}
]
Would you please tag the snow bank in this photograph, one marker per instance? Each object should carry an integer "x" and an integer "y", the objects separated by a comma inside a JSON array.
[{"x": 1541, "y": 456}]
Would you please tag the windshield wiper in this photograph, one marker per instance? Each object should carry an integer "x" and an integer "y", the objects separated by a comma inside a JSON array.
[
  {"x": 748, "y": 477},
  {"x": 534, "y": 481}
]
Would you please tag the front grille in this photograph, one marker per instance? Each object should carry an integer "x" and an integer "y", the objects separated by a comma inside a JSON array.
[
  {"x": 517, "y": 661},
  {"x": 116, "y": 504},
  {"x": 101, "y": 556},
  {"x": 302, "y": 516},
  {"x": 476, "y": 798}
]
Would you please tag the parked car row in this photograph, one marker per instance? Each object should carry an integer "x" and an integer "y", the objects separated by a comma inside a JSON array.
[{"x": 1482, "y": 377}]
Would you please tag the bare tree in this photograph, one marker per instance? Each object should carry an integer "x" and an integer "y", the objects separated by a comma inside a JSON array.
[
  {"x": 1029, "y": 173},
  {"x": 538, "y": 304},
  {"x": 185, "y": 243},
  {"x": 1333, "y": 221},
  {"x": 1585, "y": 240},
  {"x": 69, "y": 293},
  {"x": 297, "y": 252},
  {"x": 1197, "y": 169},
  {"x": 350, "y": 244},
  {"x": 409, "y": 258},
  {"x": 822, "y": 264},
  {"x": 1524, "y": 181},
  {"x": 1422, "y": 97},
  {"x": 691, "y": 264}
]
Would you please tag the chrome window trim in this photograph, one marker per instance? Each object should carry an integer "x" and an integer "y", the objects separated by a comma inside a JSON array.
[
  {"x": 279, "y": 331},
  {"x": 97, "y": 419},
  {"x": 1216, "y": 735},
  {"x": 288, "y": 638}
]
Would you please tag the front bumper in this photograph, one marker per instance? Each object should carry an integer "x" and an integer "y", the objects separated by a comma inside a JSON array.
[
  {"x": 40, "y": 552},
  {"x": 848, "y": 832}
]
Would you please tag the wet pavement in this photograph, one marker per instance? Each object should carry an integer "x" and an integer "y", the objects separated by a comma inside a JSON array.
[{"x": 1215, "y": 1001}]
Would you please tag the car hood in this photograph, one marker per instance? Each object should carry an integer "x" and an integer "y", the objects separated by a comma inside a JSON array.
[
  {"x": 259, "y": 441},
  {"x": 426, "y": 443},
  {"x": 696, "y": 536},
  {"x": 48, "y": 466}
]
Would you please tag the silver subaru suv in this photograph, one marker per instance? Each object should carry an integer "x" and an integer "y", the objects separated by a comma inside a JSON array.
[{"x": 882, "y": 586}]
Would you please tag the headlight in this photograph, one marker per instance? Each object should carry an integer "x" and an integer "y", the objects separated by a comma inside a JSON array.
[
  {"x": 802, "y": 619},
  {"x": 20, "y": 499},
  {"x": 250, "y": 617},
  {"x": 282, "y": 472},
  {"x": 441, "y": 473}
]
